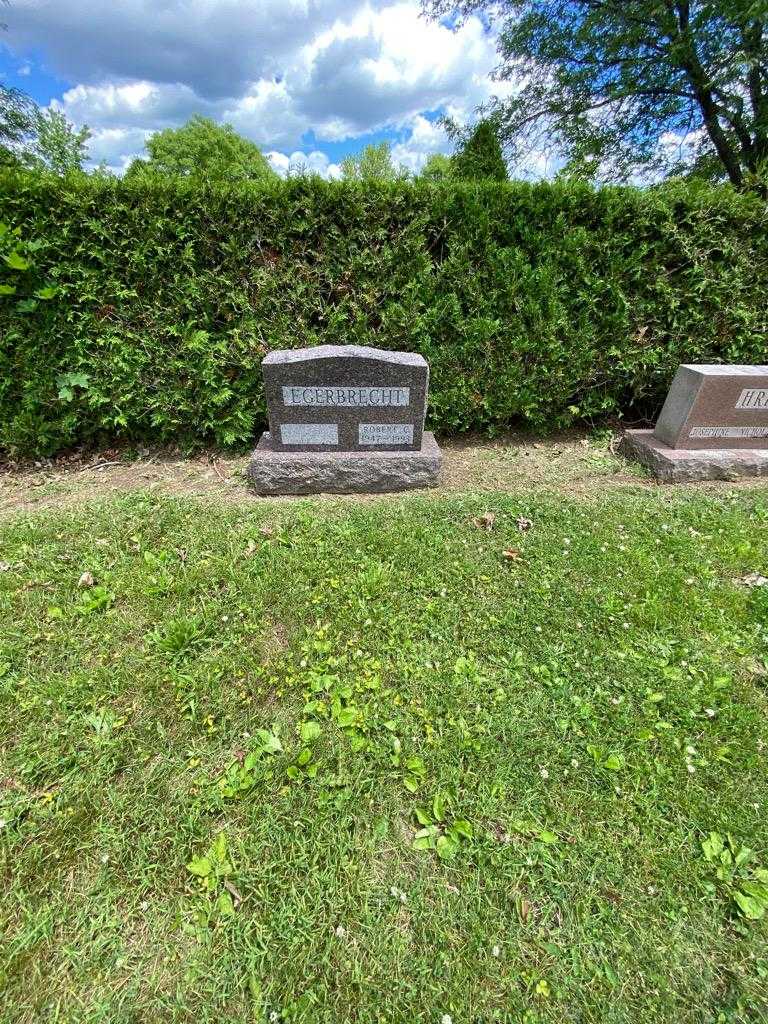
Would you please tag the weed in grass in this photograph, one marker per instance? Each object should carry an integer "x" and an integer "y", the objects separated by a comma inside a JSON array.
[{"x": 744, "y": 881}]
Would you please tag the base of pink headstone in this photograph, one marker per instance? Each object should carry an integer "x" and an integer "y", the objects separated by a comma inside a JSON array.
[{"x": 682, "y": 465}]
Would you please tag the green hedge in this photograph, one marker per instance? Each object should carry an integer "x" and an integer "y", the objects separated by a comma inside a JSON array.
[{"x": 533, "y": 303}]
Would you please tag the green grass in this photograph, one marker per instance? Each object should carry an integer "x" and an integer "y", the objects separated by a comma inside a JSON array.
[{"x": 568, "y": 726}]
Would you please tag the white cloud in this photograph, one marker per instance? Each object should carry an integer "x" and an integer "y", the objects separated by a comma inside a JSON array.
[
  {"x": 267, "y": 115},
  {"x": 383, "y": 67},
  {"x": 425, "y": 139},
  {"x": 216, "y": 47},
  {"x": 116, "y": 147},
  {"x": 299, "y": 162},
  {"x": 680, "y": 147},
  {"x": 274, "y": 69},
  {"x": 149, "y": 105}
]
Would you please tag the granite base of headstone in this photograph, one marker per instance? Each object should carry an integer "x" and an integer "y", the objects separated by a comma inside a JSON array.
[
  {"x": 275, "y": 471},
  {"x": 713, "y": 426},
  {"x": 345, "y": 419}
]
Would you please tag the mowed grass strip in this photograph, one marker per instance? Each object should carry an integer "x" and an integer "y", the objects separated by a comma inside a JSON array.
[{"x": 401, "y": 761}]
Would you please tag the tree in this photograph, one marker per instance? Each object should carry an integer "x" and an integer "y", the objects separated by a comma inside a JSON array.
[
  {"x": 59, "y": 146},
  {"x": 17, "y": 122},
  {"x": 140, "y": 169},
  {"x": 480, "y": 158},
  {"x": 436, "y": 168},
  {"x": 202, "y": 149},
  {"x": 659, "y": 84},
  {"x": 374, "y": 163},
  {"x": 17, "y": 117}
]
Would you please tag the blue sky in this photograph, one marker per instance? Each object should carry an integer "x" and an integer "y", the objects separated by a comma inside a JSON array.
[
  {"x": 308, "y": 80},
  {"x": 30, "y": 75}
]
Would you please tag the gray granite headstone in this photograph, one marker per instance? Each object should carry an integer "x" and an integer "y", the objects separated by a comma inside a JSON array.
[
  {"x": 712, "y": 406},
  {"x": 345, "y": 398},
  {"x": 345, "y": 418}
]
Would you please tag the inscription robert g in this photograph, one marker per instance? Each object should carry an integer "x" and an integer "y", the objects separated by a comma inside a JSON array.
[
  {"x": 385, "y": 433},
  {"x": 345, "y": 397}
]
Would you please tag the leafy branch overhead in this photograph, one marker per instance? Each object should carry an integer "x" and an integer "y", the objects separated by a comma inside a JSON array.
[{"x": 615, "y": 86}]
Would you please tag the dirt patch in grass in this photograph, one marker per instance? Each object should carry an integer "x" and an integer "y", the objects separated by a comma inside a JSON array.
[
  {"x": 274, "y": 641},
  {"x": 572, "y": 462}
]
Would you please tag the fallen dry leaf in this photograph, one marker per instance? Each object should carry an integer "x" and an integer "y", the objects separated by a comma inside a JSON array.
[
  {"x": 754, "y": 580},
  {"x": 512, "y": 555},
  {"x": 266, "y": 531},
  {"x": 86, "y": 580},
  {"x": 5, "y": 566},
  {"x": 233, "y": 892},
  {"x": 486, "y": 521},
  {"x": 523, "y": 524}
]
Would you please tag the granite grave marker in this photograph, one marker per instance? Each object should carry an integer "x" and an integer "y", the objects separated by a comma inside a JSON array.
[
  {"x": 714, "y": 424},
  {"x": 344, "y": 418}
]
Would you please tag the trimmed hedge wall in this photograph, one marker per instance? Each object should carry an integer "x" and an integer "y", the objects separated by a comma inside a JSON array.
[{"x": 533, "y": 303}]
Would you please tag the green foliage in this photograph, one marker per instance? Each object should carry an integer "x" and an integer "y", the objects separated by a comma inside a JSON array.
[
  {"x": 19, "y": 282},
  {"x": 59, "y": 146},
  {"x": 211, "y": 872},
  {"x": 17, "y": 121},
  {"x": 480, "y": 157},
  {"x": 203, "y": 150},
  {"x": 437, "y": 168},
  {"x": 39, "y": 139},
  {"x": 439, "y": 833},
  {"x": 538, "y": 304},
  {"x": 373, "y": 163},
  {"x": 745, "y": 882}
]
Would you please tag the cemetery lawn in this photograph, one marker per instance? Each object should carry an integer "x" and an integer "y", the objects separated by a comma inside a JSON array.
[{"x": 338, "y": 761}]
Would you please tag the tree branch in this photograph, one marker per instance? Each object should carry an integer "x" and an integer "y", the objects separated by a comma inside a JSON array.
[
  {"x": 752, "y": 43},
  {"x": 691, "y": 64}
]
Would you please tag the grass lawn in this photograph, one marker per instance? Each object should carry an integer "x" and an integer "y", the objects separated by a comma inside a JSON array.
[{"x": 345, "y": 761}]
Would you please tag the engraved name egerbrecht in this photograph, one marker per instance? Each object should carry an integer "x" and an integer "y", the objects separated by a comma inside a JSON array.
[{"x": 346, "y": 397}]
